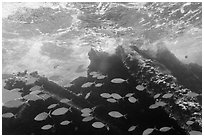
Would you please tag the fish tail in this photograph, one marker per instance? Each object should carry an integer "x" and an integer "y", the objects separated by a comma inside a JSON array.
[
  {"x": 70, "y": 109},
  {"x": 49, "y": 113},
  {"x": 127, "y": 80},
  {"x": 15, "y": 116},
  {"x": 125, "y": 116},
  {"x": 107, "y": 127}
]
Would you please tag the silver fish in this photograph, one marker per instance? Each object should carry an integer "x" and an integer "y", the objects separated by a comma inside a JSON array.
[{"x": 118, "y": 80}]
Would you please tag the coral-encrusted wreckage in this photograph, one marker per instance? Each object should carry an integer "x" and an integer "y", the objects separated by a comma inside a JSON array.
[
  {"x": 136, "y": 83},
  {"x": 133, "y": 98}
]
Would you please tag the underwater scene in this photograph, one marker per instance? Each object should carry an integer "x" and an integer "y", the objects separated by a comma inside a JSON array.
[{"x": 102, "y": 68}]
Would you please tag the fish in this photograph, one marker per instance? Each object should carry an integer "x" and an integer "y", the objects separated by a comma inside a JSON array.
[
  {"x": 60, "y": 111},
  {"x": 31, "y": 81},
  {"x": 98, "y": 125},
  {"x": 189, "y": 122},
  {"x": 14, "y": 104},
  {"x": 194, "y": 132},
  {"x": 153, "y": 106},
  {"x": 165, "y": 129},
  {"x": 129, "y": 94},
  {"x": 161, "y": 103},
  {"x": 88, "y": 110},
  {"x": 86, "y": 119},
  {"x": 42, "y": 116},
  {"x": 116, "y": 114},
  {"x": 68, "y": 85},
  {"x": 156, "y": 96},
  {"x": 44, "y": 96},
  {"x": 8, "y": 115},
  {"x": 66, "y": 122},
  {"x": 168, "y": 95},
  {"x": 118, "y": 80},
  {"x": 32, "y": 97},
  {"x": 93, "y": 73},
  {"x": 192, "y": 94},
  {"x": 116, "y": 96},
  {"x": 86, "y": 114},
  {"x": 88, "y": 84},
  {"x": 132, "y": 99},
  {"x": 87, "y": 95},
  {"x": 148, "y": 131},
  {"x": 111, "y": 100},
  {"x": 47, "y": 127},
  {"x": 34, "y": 88},
  {"x": 101, "y": 77},
  {"x": 132, "y": 128},
  {"x": 36, "y": 92},
  {"x": 98, "y": 84},
  {"x": 65, "y": 100},
  {"x": 140, "y": 87},
  {"x": 52, "y": 106},
  {"x": 105, "y": 95},
  {"x": 15, "y": 90}
]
